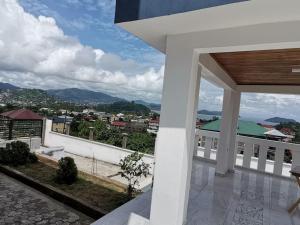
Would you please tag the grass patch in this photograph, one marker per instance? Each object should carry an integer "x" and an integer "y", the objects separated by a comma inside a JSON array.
[{"x": 103, "y": 196}]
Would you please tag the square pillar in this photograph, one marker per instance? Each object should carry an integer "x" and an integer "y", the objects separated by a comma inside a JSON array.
[
  {"x": 228, "y": 130},
  {"x": 236, "y": 102},
  {"x": 176, "y": 136}
]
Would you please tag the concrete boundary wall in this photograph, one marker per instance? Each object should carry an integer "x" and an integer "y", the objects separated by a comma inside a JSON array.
[{"x": 87, "y": 148}]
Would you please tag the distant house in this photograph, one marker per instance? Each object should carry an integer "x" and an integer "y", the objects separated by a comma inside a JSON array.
[
  {"x": 119, "y": 124},
  {"x": 245, "y": 128},
  {"x": 153, "y": 126},
  {"x": 105, "y": 117},
  {"x": 136, "y": 127},
  {"x": 88, "y": 111},
  {"x": 290, "y": 133},
  {"x": 20, "y": 123},
  {"x": 275, "y": 135},
  {"x": 120, "y": 115},
  {"x": 61, "y": 124}
]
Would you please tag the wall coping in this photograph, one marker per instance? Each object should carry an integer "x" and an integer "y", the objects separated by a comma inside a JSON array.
[{"x": 99, "y": 143}]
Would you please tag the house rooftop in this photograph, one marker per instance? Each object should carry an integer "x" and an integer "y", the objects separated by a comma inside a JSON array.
[
  {"x": 21, "y": 114},
  {"x": 247, "y": 128}
]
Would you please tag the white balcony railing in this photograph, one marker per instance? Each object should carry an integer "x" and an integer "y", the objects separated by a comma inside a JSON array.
[{"x": 268, "y": 156}]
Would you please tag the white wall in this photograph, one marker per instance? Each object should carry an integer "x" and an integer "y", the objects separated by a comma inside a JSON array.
[
  {"x": 87, "y": 148},
  {"x": 34, "y": 143}
]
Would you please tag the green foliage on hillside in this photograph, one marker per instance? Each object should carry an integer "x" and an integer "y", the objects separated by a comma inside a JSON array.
[
  {"x": 124, "y": 107},
  {"x": 295, "y": 126}
]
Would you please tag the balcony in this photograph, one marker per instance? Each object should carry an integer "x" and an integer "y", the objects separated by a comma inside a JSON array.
[
  {"x": 244, "y": 47},
  {"x": 241, "y": 198}
]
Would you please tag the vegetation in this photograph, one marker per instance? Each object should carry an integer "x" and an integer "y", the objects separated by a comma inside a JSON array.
[
  {"x": 101, "y": 194},
  {"x": 294, "y": 126},
  {"x": 280, "y": 120},
  {"x": 17, "y": 153},
  {"x": 142, "y": 141},
  {"x": 67, "y": 171},
  {"x": 124, "y": 107},
  {"x": 133, "y": 168}
]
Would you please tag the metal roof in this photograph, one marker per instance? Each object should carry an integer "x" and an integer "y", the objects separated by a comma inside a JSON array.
[
  {"x": 21, "y": 114},
  {"x": 247, "y": 128}
]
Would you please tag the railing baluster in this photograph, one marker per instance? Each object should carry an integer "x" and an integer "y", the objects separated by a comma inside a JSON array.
[
  {"x": 295, "y": 158},
  {"x": 207, "y": 146},
  {"x": 248, "y": 152},
  {"x": 197, "y": 138},
  {"x": 262, "y": 158},
  {"x": 279, "y": 157}
]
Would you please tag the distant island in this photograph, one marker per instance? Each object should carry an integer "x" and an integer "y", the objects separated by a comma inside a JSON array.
[
  {"x": 211, "y": 113},
  {"x": 280, "y": 120}
]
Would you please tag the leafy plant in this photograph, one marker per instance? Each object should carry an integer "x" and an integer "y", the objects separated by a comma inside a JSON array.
[
  {"x": 67, "y": 172},
  {"x": 142, "y": 142},
  {"x": 32, "y": 158},
  {"x": 17, "y": 153},
  {"x": 133, "y": 168}
]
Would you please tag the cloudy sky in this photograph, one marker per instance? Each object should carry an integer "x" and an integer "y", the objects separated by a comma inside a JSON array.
[{"x": 73, "y": 43}]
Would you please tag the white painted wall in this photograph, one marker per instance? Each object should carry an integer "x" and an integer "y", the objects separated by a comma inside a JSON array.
[
  {"x": 87, "y": 148},
  {"x": 34, "y": 143}
]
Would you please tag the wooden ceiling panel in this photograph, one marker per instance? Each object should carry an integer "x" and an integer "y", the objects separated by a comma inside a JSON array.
[{"x": 270, "y": 67}]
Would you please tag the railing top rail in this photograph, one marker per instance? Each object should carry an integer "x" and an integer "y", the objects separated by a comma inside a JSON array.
[{"x": 252, "y": 140}]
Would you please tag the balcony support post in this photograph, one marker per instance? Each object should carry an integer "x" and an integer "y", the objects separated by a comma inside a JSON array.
[
  {"x": 176, "y": 136},
  {"x": 227, "y": 142}
]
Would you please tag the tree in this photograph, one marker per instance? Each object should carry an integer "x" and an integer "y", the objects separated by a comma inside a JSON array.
[
  {"x": 142, "y": 142},
  {"x": 84, "y": 129},
  {"x": 67, "y": 171},
  {"x": 133, "y": 168}
]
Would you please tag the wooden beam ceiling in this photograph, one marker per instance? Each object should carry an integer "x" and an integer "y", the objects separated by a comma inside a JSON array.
[{"x": 268, "y": 67}]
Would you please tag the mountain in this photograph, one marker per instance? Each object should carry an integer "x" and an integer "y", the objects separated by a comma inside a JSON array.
[
  {"x": 83, "y": 96},
  {"x": 152, "y": 106},
  {"x": 213, "y": 113},
  {"x": 7, "y": 86},
  {"x": 280, "y": 120},
  {"x": 25, "y": 97}
]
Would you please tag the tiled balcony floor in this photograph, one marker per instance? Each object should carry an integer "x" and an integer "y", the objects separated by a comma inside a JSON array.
[{"x": 241, "y": 198}]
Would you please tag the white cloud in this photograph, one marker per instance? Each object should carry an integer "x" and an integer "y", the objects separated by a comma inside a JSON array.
[{"x": 35, "y": 52}]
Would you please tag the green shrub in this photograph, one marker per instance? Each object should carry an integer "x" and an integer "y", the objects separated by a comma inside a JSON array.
[
  {"x": 5, "y": 157},
  {"x": 16, "y": 153},
  {"x": 32, "y": 158},
  {"x": 67, "y": 171},
  {"x": 19, "y": 152}
]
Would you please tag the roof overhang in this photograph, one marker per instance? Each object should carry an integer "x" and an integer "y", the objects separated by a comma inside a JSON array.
[{"x": 154, "y": 20}]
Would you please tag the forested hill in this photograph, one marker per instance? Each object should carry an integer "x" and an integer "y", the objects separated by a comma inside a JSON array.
[{"x": 123, "y": 107}]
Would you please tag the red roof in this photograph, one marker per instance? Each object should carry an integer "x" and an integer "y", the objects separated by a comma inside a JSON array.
[
  {"x": 119, "y": 123},
  {"x": 154, "y": 121},
  {"x": 287, "y": 130},
  {"x": 22, "y": 114},
  {"x": 267, "y": 126}
]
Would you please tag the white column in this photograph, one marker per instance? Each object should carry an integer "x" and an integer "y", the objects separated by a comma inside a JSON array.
[
  {"x": 226, "y": 147},
  {"x": 236, "y": 101},
  {"x": 175, "y": 143}
]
